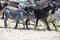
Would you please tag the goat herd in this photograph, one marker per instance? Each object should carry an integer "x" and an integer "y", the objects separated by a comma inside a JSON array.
[{"x": 38, "y": 10}]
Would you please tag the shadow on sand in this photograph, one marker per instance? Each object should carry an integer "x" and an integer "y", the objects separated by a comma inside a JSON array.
[{"x": 24, "y": 28}]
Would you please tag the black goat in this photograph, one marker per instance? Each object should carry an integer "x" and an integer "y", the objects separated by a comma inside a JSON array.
[{"x": 42, "y": 13}]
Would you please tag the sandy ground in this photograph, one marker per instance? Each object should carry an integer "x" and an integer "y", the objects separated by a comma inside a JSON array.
[{"x": 15, "y": 34}]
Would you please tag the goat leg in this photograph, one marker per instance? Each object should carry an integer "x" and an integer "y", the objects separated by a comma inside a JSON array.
[
  {"x": 36, "y": 23},
  {"x": 5, "y": 22},
  {"x": 48, "y": 28},
  {"x": 27, "y": 23},
  {"x": 54, "y": 25},
  {"x": 16, "y": 25},
  {"x": 17, "y": 21}
]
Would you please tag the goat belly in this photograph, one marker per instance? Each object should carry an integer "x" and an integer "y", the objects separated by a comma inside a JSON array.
[{"x": 40, "y": 15}]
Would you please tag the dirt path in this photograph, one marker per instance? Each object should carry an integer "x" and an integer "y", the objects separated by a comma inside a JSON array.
[{"x": 15, "y": 34}]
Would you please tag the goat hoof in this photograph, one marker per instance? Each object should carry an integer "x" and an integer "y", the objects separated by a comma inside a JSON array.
[
  {"x": 27, "y": 28},
  {"x": 5, "y": 27},
  {"x": 49, "y": 29}
]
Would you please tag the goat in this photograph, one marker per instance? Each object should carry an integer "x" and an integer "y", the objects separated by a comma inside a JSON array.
[
  {"x": 15, "y": 13},
  {"x": 42, "y": 13}
]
